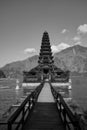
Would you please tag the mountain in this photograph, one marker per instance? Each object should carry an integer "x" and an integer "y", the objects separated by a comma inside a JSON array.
[
  {"x": 72, "y": 58},
  {"x": 15, "y": 69}
]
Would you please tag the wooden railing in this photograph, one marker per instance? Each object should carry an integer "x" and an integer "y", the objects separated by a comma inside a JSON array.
[
  {"x": 69, "y": 119},
  {"x": 17, "y": 120}
]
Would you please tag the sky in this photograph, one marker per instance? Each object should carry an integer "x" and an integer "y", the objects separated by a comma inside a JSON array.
[{"x": 22, "y": 23}]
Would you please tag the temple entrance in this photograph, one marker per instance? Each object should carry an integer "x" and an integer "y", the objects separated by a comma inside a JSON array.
[
  {"x": 46, "y": 70},
  {"x": 46, "y": 73}
]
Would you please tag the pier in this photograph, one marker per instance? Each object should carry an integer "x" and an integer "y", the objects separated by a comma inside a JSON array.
[
  {"x": 43, "y": 109},
  {"x": 45, "y": 114}
]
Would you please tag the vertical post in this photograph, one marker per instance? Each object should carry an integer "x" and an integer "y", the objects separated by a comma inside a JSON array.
[
  {"x": 56, "y": 97},
  {"x": 58, "y": 103},
  {"x": 60, "y": 107},
  {"x": 9, "y": 125},
  {"x": 29, "y": 106},
  {"x": 23, "y": 113},
  {"x": 64, "y": 115},
  {"x": 76, "y": 123}
]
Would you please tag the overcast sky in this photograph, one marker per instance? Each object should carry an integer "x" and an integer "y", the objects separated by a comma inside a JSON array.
[{"x": 22, "y": 23}]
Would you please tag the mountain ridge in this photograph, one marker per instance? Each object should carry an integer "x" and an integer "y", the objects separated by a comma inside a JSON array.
[
  {"x": 75, "y": 58},
  {"x": 72, "y": 58}
]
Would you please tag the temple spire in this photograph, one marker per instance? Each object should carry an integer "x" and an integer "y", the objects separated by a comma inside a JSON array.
[{"x": 45, "y": 56}]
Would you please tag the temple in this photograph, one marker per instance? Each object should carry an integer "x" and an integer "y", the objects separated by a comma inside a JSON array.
[
  {"x": 45, "y": 58},
  {"x": 46, "y": 70}
]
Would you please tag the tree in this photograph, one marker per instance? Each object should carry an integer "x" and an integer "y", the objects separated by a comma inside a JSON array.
[{"x": 2, "y": 75}]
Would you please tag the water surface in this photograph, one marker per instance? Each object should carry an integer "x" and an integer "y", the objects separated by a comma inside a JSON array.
[
  {"x": 79, "y": 90},
  {"x": 10, "y": 95}
]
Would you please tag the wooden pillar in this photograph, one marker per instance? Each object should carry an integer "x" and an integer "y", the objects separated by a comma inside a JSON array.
[{"x": 9, "y": 126}]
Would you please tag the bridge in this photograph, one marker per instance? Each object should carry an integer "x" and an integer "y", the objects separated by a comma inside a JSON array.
[{"x": 43, "y": 109}]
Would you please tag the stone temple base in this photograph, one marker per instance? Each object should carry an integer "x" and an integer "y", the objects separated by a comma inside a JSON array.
[{"x": 30, "y": 84}]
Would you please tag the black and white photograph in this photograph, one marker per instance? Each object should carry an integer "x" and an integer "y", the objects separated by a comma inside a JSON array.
[{"x": 43, "y": 64}]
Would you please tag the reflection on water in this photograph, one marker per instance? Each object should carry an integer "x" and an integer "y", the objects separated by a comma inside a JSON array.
[
  {"x": 11, "y": 97},
  {"x": 78, "y": 91},
  {"x": 17, "y": 93},
  {"x": 70, "y": 93},
  {"x": 8, "y": 97},
  {"x": 64, "y": 91}
]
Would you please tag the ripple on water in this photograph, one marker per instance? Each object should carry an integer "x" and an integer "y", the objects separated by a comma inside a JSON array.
[{"x": 7, "y": 98}]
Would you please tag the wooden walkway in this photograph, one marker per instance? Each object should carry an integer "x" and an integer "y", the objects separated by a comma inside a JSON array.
[
  {"x": 46, "y": 95},
  {"x": 45, "y": 115}
]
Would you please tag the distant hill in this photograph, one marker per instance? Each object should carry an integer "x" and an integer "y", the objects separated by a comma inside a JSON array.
[
  {"x": 15, "y": 69},
  {"x": 73, "y": 58}
]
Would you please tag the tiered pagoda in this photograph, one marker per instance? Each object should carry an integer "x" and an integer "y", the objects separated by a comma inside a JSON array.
[
  {"x": 45, "y": 57},
  {"x": 46, "y": 70}
]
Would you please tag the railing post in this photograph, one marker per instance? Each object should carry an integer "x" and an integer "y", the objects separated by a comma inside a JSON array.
[
  {"x": 23, "y": 112},
  {"x": 29, "y": 106},
  {"x": 60, "y": 107},
  {"x": 76, "y": 123},
  {"x": 9, "y": 126},
  {"x": 64, "y": 115}
]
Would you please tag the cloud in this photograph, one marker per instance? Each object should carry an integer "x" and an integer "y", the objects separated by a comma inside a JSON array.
[
  {"x": 60, "y": 47},
  {"x": 82, "y": 29},
  {"x": 77, "y": 38},
  {"x": 78, "y": 43},
  {"x": 29, "y": 50},
  {"x": 64, "y": 31},
  {"x": 54, "y": 48}
]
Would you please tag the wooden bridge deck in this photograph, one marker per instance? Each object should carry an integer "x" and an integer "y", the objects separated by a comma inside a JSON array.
[{"x": 45, "y": 115}]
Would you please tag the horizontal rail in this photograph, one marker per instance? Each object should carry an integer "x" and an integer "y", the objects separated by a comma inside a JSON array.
[
  {"x": 66, "y": 114},
  {"x": 24, "y": 110},
  {"x": 3, "y": 123}
]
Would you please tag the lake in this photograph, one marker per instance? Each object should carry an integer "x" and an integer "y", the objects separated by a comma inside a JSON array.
[
  {"x": 9, "y": 96},
  {"x": 79, "y": 90}
]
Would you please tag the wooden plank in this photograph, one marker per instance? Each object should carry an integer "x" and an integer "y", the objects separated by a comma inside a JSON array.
[{"x": 45, "y": 116}]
